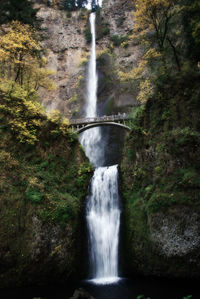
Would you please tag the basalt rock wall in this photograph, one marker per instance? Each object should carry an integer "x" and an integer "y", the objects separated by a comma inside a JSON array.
[{"x": 66, "y": 41}]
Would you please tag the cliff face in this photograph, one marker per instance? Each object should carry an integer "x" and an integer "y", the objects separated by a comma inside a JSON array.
[
  {"x": 43, "y": 189},
  {"x": 64, "y": 40},
  {"x": 123, "y": 54},
  {"x": 64, "y": 43},
  {"x": 160, "y": 182}
]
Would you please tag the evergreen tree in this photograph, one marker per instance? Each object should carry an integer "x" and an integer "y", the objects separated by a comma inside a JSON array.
[
  {"x": 191, "y": 23},
  {"x": 74, "y": 4},
  {"x": 22, "y": 11}
]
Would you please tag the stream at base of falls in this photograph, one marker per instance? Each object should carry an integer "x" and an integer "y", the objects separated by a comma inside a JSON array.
[{"x": 153, "y": 288}]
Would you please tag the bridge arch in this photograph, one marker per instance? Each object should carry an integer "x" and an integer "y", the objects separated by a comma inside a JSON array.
[{"x": 99, "y": 124}]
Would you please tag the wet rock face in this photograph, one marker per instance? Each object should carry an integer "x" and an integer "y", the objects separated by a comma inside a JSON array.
[
  {"x": 47, "y": 253},
  {"x": 81, "y": 294},
  {"x": 51, "y": 243},
  {"x": 176, "y": 233}
]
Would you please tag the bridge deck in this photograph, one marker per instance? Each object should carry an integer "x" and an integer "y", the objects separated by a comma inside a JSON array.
[{"x": 99, "y": 119}]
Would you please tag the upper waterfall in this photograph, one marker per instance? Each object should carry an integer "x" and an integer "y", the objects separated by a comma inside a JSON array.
[
  {"x": 91, "y": 139},
  {"x": 92, "y": 74},
  {"x": 98, "y": 2}
]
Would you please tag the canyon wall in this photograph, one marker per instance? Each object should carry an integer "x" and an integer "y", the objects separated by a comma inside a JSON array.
[{"x": 64, "y": 39}]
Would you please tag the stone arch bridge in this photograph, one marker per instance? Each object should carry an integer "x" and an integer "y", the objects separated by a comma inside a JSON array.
[{"x": 82, "y": 124}]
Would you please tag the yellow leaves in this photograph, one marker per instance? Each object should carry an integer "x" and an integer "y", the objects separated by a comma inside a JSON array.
[
  {"x": 146, "y": 90},
  {"x": 83, "y": 61},
  {"x": 20, "y": 61},
  {"x": 136, "y": 72},
  {"x": 34, "y": 182},
  {"x": 78, "y": 82},
  {"x": 40, "y": 77},
  {"x": 20, "y": 39},
  {"x": 103, "y": 51},
  {"x": 151, "y": 54},
  {"x": 57, "y": 250},
  {"x": 22, "y": 72},
  {"x": 24, "y": 134},
  {"x": 150, "y": 14},
  {"x": 12, "y": 88},
  {"x": 23, "y": 115},
  {"x": 61, "y": 122},
  {"x": 55, "y": 116},
  {"x": 44, "y": 61}
]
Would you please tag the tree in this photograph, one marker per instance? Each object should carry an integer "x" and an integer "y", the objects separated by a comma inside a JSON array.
[
  {"x": 153, "y": 20},
  {"x": 191, "y": 23},
  {"x": 22, "y": 72},
  {"x": 20, "y": 59},
  {"x": 74, "y": 4},
  {"x": 169, "y": 34},
  {"x": 22, "y": 11}
]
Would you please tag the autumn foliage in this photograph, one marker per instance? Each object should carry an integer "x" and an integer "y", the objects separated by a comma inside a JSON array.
[
  {"x": 21, "y": 62},
  {"x": 168, "y": 32},
  {"x": 22, "y": 72}
]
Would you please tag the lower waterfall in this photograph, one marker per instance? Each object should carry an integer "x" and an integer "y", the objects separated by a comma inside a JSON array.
[{"x": 103, "y": 218}]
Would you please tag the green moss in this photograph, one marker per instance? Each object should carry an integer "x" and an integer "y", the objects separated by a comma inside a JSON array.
[
  {"x": 47, "y": 181},
  {"x": 160, "y": 168}
]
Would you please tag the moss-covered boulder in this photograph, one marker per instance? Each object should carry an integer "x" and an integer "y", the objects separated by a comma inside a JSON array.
[
  {"x": 160, "y": 179},
  {"x": 43, "y": 183}
]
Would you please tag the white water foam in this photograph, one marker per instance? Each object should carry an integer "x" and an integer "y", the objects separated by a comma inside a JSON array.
[{"x": 103, "y": 218}]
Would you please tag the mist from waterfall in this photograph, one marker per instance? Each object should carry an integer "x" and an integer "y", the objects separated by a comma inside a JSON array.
[{"x": 102, "y": 212}]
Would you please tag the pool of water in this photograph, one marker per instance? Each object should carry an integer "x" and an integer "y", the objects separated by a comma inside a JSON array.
[
  {"x": 149, "y": 287},
  {"x": 123, "y": 289}
]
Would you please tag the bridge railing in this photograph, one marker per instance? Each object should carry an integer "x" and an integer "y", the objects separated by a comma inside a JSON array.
[{"x": 105, "y": 118}]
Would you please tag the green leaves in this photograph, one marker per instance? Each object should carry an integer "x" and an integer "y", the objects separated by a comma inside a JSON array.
[{"x": 34, "y": 195}]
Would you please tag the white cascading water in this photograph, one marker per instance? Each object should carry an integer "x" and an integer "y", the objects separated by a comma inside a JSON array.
[
  {"x": 103, "y": 218},
  {"x": 91, "y": 139},
  {"x": 103, "y": 213}
]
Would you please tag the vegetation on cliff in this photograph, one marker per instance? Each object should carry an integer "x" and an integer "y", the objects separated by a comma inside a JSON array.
[
  {"x": 44, "y": 173},
  {"x": 161, "y": 165},
  {"x": 168, "y": 32},
  {"x": 44, "y": 180}
]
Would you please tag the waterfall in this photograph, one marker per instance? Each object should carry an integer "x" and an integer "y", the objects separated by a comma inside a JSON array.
[
  {"x": 102, "y": 212},
  {"x": 103, "y": 217},
  {"x": 91, "y": 139}
]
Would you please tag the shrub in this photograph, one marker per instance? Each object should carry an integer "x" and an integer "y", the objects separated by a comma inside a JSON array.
[
  {"x": 106, "y": 31},
  {"x": 88, "y": 35},
  {"x": 33, "y": 195},
  {"x": 118, "y": 40}
]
